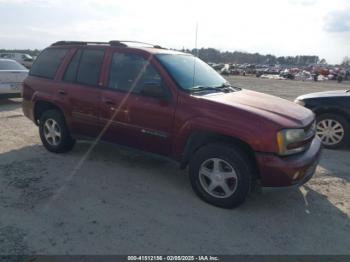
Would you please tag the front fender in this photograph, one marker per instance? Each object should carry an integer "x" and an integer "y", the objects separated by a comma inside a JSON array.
[{"x": 253, "y": 135}]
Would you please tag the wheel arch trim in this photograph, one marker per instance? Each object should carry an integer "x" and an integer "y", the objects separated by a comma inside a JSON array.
[{"x": 200, "y": 138}]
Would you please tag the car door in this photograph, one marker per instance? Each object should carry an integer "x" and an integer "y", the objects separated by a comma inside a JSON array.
[
  {"x": 82, "y": 91},
  {"x": 134, "y": 118}
]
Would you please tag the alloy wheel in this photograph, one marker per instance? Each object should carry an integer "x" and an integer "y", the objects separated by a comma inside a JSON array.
[
  {"x": 218, "y": 178},
  {"x": 52, "y": 132},
  {"x": 330, "y": 131}
]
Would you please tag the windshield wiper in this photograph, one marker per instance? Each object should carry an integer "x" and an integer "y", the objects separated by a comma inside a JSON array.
[
  {"x": 204, "y": 88},
  {"x": 228, "y": 86},
  {"x": 225, "y": 87}
]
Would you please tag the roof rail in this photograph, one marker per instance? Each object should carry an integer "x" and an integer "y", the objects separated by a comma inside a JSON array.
[
  {"x": 120, "y": 43},
  {"x": 79, "y": 43},
  {"x": 141, "y": 43},
  {"x": 117, "y": 43}
]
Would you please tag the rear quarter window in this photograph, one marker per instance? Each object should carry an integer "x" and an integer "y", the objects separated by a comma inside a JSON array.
[{"x": 46, "y": 65}]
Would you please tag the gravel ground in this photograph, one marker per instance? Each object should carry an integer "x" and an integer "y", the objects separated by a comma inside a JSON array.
[
  {"x": 122, "y": 202},
  {"x": 286, "y": 88}
]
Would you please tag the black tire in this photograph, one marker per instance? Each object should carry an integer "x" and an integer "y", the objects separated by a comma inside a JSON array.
[
  {"x": 66, "y": 142},
  {"x": 343, "y": 122},
  {"x": 241, "y": 165}
]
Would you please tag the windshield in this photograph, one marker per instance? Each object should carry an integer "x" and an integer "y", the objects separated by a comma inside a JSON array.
[
  {"x": 11, "y": 65},
  {"x": 190, "y": 72}
]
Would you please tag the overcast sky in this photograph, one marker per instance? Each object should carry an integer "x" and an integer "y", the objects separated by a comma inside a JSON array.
[{"x": 279, "y": 27}]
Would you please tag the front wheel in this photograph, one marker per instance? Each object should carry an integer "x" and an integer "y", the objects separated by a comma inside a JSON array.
[
  {"x": 220, "y": 175},
  {"x": 54, "y": 133},
  {"x": 333, "y": 130}
]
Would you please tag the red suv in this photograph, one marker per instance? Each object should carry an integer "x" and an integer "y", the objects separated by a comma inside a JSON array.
[{"x": 172, "y": 104}]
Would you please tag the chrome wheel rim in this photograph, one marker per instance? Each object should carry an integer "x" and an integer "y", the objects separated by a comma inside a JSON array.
[
  {"x": 218, "y": 178},
  {"x": 52, "y": 132},
  {"x": 330, "y": 131}
]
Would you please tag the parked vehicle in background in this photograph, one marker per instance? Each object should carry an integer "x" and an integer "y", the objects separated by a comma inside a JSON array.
[
  {"x": 225, "y": 70},
  {"x": 218, "y": 66},
  {"x": 24, "y": 59},
  {"x": 332, "y": 111},
  {"x": 156, "y": 100},
  {"x": 12, "y": 75}
]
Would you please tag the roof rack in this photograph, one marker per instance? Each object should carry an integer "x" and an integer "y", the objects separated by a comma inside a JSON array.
[
  {"x": 111, "y": 43},
  {"x": 140, "y": 43},
  {"x": 120, "y": 43}
]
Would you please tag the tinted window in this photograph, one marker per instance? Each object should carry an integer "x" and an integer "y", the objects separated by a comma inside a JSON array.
[
  {"x": 90, "y": 67},
  {"x": 71, "y": 72},
  {"x": 46, "y": 65},
  {"x": 130, "y": 71},
  {"x": 11, "y": 65}
]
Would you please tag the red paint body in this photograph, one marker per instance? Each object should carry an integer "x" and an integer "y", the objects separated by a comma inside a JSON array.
[{"x": 251, "y": 117}]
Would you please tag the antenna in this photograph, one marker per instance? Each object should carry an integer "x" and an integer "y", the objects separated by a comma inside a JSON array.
[{"x": 196, "y": 54}]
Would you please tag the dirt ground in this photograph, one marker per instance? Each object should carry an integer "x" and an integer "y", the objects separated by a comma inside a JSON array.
[{"x": 122, "y": 202}]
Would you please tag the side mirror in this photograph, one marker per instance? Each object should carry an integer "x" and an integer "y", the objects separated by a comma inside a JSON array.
[{"x": 154, "y": 89}]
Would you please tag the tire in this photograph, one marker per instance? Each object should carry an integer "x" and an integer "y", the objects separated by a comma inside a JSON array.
[
  {"x": 229, "y": 158},
  {"x": 321, "y": 121},
  {"x": 55, "y": 120}
]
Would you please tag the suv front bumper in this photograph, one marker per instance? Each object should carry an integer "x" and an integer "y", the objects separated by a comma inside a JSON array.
[{"x": 276, "y": 171}]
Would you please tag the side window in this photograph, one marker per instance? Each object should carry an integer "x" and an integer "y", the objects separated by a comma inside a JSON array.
[
  {"x": 90, "y": 67},
  {"x": 46, "y": 65},
  {"x": 71, "y": 71},
  {"x": 85, "y": 67},
  {"x": 131, "y": 71}
]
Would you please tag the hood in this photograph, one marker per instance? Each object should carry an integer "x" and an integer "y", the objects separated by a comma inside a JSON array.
[
  {"x": 335, "y": 93},
  {"x": 281, "y": 111}
]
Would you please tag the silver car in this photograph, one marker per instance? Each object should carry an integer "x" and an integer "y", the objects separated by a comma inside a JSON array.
[{"x": 12, "y": 75}]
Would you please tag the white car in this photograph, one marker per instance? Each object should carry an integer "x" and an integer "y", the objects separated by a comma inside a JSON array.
[
  {"x": 12, "y": 75},
  {"x": 23, "y": 59}
]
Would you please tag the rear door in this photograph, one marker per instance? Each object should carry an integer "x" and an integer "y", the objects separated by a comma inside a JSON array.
[
  {"x": 81, "y": 90},
  {"x": 132, "y": 118}
]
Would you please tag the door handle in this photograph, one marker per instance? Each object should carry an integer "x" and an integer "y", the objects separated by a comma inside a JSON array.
[{"x": 62, "y": 92}]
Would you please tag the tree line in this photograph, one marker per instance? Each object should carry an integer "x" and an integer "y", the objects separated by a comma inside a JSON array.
[
  {"x": 237, "y": 57},
  {"x": 216, "y": 56}
]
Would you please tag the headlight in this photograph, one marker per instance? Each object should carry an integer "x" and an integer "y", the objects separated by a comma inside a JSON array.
[
  {"x": 299, "y": 102},
  {"x": 291, "y": 141}
]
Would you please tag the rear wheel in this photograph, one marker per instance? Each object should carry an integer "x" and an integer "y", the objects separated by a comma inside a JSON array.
[
  {"x": 333, "y": 130},
  {"x": 54, "y": 133},
  {"x": 220, "y": 175}
]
